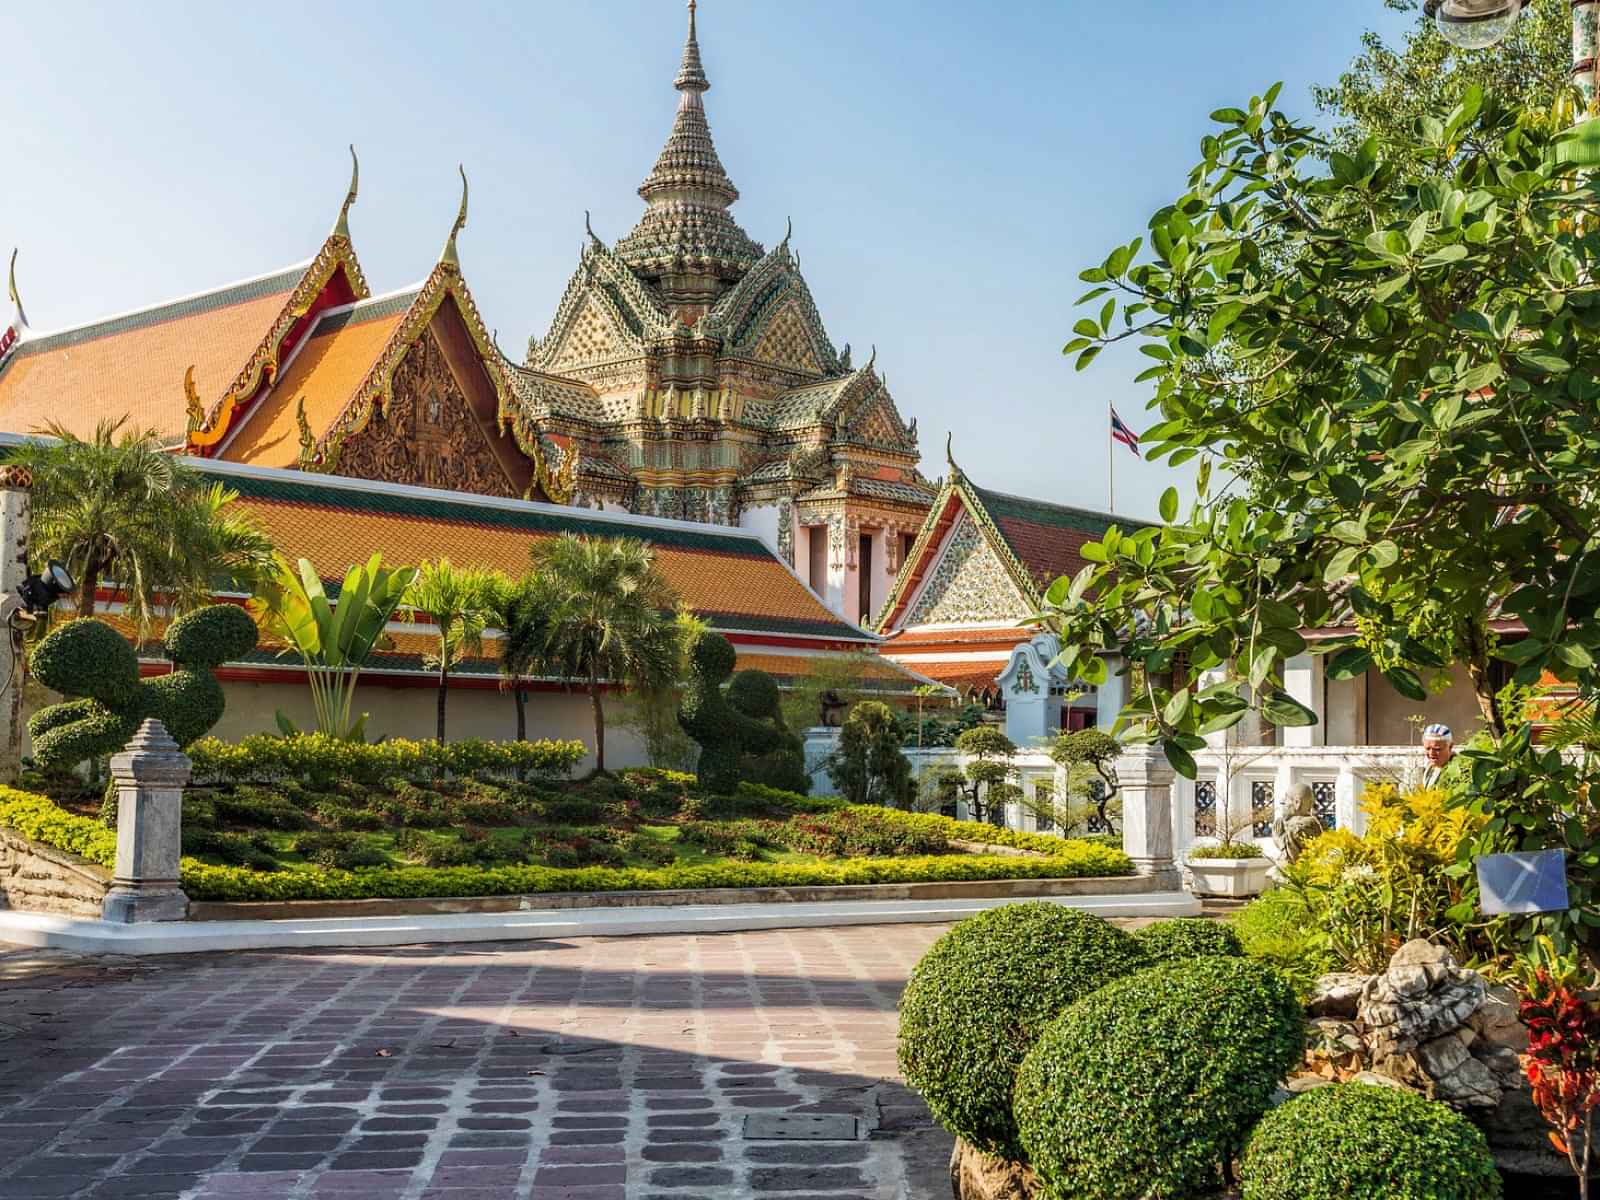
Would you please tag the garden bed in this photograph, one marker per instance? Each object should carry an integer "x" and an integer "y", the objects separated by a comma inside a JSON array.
[{"x": 365, "y": 825}]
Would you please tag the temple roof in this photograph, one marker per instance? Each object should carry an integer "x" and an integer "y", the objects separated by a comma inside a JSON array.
[
  {"x": 134, "y": 364},
  {"x": 730, "y": 577},
  {"x": 323, "y": 374},
  {"x": 1035, "y": 540},
  {"x": 686, "y": 226}
]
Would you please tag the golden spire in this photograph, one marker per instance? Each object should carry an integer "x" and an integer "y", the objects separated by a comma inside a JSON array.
[
  {"x": 341, "y": 227},
  {"x": 16, "y": 300},
  {"x": 449, "y": 255}
]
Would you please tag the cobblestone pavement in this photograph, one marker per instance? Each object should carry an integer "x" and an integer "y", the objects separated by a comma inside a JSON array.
[{"x": 579, "y": 1069}]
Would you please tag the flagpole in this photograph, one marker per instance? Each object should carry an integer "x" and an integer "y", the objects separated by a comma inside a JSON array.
[{"x": 1111, "y": 465}]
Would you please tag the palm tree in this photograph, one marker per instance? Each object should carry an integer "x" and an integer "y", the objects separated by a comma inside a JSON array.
[
  {"x": 521, "y": 614},
  {"x": 610, "y": 618},
  {"x": 119, "y": 507},
  {"x": 457, "y": 601}
]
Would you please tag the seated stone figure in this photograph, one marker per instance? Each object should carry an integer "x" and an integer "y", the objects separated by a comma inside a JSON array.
[{"x": 1293, "y": 831}]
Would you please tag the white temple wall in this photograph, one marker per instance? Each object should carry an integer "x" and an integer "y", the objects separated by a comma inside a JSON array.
[{"x": 762, "y": 520}]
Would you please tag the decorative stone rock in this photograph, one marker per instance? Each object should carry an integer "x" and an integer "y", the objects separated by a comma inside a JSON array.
[
  {"x": 1421, "y": 996},
  {"x": 1336, "y": 1038},
  {"x": 1301, "y": 1084},
  {"x": 975, "y": 1175},
  {"x": 1336, "y": 995},
  {"x": 1456, "y": 1076},
  {"x": 1376, "y": 1080},
  {"x": 1497, "y": 1023}
]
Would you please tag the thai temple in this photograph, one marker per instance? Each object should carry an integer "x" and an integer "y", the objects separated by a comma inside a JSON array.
[{"x": 685, "y": 391}]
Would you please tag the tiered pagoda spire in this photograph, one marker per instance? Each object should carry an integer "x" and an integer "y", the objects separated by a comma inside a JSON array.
[{"x": 686, "y": 242}]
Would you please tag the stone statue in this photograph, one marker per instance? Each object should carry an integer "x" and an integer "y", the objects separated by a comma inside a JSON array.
[
  {"x": 1293, "y": 831},
  {"x": 833, "y": 707}
]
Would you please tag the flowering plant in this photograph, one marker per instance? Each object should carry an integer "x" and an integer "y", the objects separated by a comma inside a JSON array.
[{"x": 1563, "y": 1058}]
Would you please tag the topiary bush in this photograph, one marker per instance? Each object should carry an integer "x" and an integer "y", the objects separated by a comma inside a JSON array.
[
  {"x": 90, "y": 660},
  {"x": 1149, "y": 1087},
  {"x": 983, "y": 994},
  {"x": 755, "y": 695},
  {"x": 1189, "y": 937},
  {"x": 1354, "y": 1141},
  {"x": 727, "y": 737}
]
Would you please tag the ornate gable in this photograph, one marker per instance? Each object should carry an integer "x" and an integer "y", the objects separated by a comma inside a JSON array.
[
  {"x": 873, "y": 420},
  {"x": 426, "y": 434},
  {"x": 969, "y": 582},
  {"x": 770, "y": 315},
  {"x": 605, "y": 314},
  {"x": 787, "y": 342}
]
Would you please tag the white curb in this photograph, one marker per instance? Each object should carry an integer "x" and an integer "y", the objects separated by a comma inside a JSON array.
[{"x": 190, "y": 937}]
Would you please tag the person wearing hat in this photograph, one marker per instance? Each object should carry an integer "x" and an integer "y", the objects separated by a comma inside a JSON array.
[{"x": 1438, "y": 747}]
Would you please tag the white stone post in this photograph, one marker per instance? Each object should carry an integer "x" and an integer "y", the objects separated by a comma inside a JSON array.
[
  {"x": 150, "y": 775},
  {"x": 15, "y": 527},
  {"x": 1302, "y": 679},
  {"x": 1146, "y": 780}
]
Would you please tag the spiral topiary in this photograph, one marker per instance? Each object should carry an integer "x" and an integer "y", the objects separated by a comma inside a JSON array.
[
  {"x": 1148, "y": 1087},
  {"x": 92, "y": 661},
  {"x": 755, "y": 695},
  {"x": 982, "y": 995},
  {"x": 1188, "y": 937},
  {"x": 1354, "y": 1141}
]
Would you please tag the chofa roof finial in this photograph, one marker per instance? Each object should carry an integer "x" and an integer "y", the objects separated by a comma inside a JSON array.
[
  {"x": 449, "y": 255},
  {"x": 589, "y": 229},
  {"x": 949, "y": 456},
  {"x": 341, "y": 227},
  {"x": 16, "y": 300}
]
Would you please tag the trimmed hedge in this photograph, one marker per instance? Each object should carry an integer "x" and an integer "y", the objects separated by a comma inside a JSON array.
[
  {"x": 1355, "y": 1141},
  {"x": 1188, "y": 937},
  {"x": 264, "y": 757},
  {"x": 1150, "y": 1086},
  {"x": 204, "y": 882},
  {"x": 41, "y": 820},
  {"x": 1016, "y": 839},
  {"x": 981, "y": 996}
]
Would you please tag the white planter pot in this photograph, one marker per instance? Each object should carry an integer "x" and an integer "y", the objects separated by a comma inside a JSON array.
[{"x": 1232, "y": 877}]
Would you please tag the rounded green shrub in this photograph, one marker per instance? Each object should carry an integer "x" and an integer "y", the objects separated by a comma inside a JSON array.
[
  {"x": 1354, "y": 1141},
  {"x": 1148, "y": 1087},
  {"x": 982, "y": 995},
  {"x": 1189, "y": 937}
]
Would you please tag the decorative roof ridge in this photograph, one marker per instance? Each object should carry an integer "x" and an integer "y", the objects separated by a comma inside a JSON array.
[
  {"x": 735, "y": 307},
  {"x": 598, "y": 258}
]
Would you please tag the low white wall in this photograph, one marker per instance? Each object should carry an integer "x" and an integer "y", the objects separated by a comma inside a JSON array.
[{"x": 409, "y": 712}]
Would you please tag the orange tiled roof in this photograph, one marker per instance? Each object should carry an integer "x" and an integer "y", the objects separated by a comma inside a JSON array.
[
  {"x": 731, "y": 578},
  {"x": 135, "y": 364},
  {"x": 905, "y": 641},
  {"x": 325, "y": 371},
  {"x": 961, "y": 674}
]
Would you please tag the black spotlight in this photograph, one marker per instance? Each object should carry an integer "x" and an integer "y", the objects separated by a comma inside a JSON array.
[{"x": 39, "y": 592}]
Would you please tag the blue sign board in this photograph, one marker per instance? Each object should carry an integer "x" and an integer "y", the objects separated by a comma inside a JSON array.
[{"x": 1533, "y": 881}]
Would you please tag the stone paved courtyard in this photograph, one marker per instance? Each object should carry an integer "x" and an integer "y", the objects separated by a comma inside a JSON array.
[{"x": 580, "y": 1069}]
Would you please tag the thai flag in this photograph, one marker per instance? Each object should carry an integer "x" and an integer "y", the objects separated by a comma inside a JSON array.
[{"x": 1121, "y": 433}]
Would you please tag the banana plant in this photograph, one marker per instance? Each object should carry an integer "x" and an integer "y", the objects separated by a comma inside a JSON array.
[{"x": 333, "y": 637}]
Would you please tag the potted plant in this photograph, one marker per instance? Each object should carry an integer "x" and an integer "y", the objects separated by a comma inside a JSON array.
[{"x": 1233, "y": 867}]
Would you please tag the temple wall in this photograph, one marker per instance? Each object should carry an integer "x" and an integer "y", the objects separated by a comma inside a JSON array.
[
  {"x": 1388, "y": 712},
  {"x": 408, "y": 712}
]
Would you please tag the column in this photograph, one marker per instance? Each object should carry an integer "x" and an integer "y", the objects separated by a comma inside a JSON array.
[
  {"x": 1146, "y": 781},
  {"x": 1111, "y": 695},
  {"x": 150, "y": 775},
  {"x": 1302, "y": 679},
  {"x": 15, "y": 521}
]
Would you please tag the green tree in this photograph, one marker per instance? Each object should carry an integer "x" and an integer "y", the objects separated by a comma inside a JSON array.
[
  {"x": 611, "y": 619},
  {"x": 1090, "y": 756},
  {"x": 522, "y": 628},
  {"x": 1389, "y": 89},
  {"x": 868, "y": 766},
  {"x": 652, "y": 716},
  {"x": 1406, "y": 420},
  {"x": 459, "y": 603},
  {"x": 988, "y": 773},
  {"x": 118, "y": 508},
  {"x": 332, "y": 639}
]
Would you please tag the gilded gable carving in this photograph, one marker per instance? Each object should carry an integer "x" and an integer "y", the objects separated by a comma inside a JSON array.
[
  {"x": 968, "y": 583},
  {"x": 426, "y": 435},
  {"x": 787, "y": 341}
]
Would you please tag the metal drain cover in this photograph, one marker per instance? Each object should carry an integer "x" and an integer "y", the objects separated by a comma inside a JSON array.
[{"x": 799, "y": 1127}]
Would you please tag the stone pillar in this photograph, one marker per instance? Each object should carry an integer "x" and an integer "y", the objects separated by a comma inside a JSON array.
[
  {"x": 150, "y": 775},
  {"x": 1302, "y": 679},
  {"x": 1111, "y": 695},
  {"x": 1146, "y": 781},
  {"x": 15, "y": 522}
]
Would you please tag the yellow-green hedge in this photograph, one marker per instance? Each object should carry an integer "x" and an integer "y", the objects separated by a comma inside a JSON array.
[
  {"x": 204, "y": 882},
  {"x": 40, "y": 819},
  {"x": 993, "y": 835},
  {"x": 264, "y": 757}
]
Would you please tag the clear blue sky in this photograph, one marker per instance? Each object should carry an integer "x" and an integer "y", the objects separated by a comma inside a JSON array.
[{"x": 950, "y": 167}]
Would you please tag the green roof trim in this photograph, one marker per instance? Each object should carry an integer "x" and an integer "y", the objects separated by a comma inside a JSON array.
[
  {"x": 366, "y": 310},
  {"x": 430, "y": 509},
  {"x": 239, "y": 293},
  {"x": 1057, "y": 516}
]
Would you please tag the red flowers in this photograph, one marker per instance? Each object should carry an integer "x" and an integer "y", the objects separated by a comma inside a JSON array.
[{"x": 1563, "y": 1064}]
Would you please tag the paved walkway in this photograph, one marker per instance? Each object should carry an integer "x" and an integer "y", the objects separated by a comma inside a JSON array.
[{"x": 575, "y": 1069}]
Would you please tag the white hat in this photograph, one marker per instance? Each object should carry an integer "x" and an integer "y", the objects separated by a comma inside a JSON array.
[{"x": 1438, "y": 731}]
